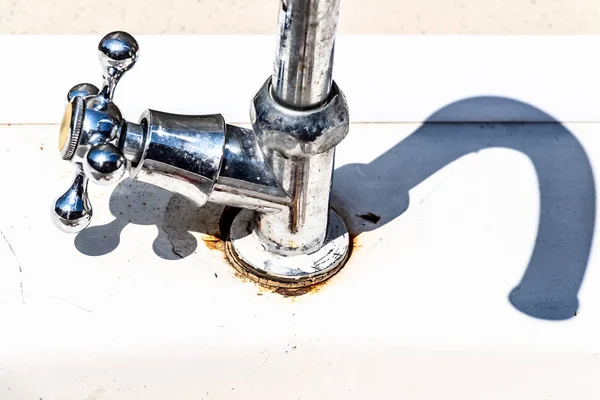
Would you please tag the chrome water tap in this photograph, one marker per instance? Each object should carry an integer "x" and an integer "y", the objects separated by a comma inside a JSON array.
[{"x": 279, "y": 172}]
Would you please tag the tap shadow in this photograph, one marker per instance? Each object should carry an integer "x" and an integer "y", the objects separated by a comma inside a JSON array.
[
  {"x": 551, "y": 282},
  {"x": 140, "y": 203}
]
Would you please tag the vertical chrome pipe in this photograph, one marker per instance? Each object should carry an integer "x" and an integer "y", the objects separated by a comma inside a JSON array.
[
  {"x": 304, "y": 58},
  {"x": 302, "y": 80}
]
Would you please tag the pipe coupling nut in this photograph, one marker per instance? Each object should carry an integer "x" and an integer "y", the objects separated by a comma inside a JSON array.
[{"x": 299, "y": 133}]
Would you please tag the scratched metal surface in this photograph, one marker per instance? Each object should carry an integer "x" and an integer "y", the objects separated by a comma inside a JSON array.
[{"x": 473, "y": 274}]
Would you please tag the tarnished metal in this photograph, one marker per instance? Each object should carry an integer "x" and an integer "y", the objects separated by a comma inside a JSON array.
[
  {"x": 304, "y": 56},
  {"x": 248, "y": 254},
  {"x": 299, "y": 133}
]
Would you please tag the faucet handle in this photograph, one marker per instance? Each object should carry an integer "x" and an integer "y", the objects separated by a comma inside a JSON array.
[
  {"x": 86, "y": 137},
  {"x": 117, "y": 52},
  {"x": 89, "y": 131},
  {"x": 72, "y": 211}
]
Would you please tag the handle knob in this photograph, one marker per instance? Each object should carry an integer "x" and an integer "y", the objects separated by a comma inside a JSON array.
[
  {"x": 118, "y": 52},
  {"x": 104, "y": 164},
  {"x": 73, "y": 210},
  {"x": 82, "y": 90}
]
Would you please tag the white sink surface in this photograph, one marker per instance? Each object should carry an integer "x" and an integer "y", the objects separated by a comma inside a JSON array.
[{"x": 479, "y": 280}]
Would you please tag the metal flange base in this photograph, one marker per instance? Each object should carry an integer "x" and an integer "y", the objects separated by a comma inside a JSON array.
[{"x": 251, "y": 258}]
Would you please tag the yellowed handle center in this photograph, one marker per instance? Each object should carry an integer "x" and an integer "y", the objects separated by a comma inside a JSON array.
[{"x": 65, "y": 127}]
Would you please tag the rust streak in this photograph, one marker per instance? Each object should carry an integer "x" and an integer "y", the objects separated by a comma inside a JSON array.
[
  {"x": 355, "y": 243},
  {"x": 296, "y": 292},
  {"x": 217, "y": 242},
  {"x": 213, "y": 242}
]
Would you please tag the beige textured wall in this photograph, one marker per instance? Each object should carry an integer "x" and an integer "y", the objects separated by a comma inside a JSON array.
[{"x": 259, "y": 16}]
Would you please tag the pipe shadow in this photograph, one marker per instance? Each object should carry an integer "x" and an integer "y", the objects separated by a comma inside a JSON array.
[{"x": 551, "y": 282}]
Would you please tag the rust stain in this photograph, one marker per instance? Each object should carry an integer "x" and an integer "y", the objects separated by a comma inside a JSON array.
[
  {"x": 266, "y": 288},
  {"x": 216, "y": 242},
  {"x": 317, "y": 287},
  {"x": 241, "y": 276},
  {"x": 297, "y": 292},
  {"x": 213, "y": 242},
  {"x": 356, "y": 244}
]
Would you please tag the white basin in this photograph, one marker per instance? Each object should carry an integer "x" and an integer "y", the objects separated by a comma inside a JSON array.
[{"x": 474, "y": 275}]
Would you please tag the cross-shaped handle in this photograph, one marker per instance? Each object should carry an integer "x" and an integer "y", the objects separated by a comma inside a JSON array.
[{"x": 90, "y": 130}]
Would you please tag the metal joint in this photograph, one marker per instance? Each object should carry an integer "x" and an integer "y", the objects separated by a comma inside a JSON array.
[{"x": 299, "y": 133}]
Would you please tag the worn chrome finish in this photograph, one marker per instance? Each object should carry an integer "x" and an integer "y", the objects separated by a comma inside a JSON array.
[
  {"x": 246, "y": 249},
  {"x": 299, "y": 133},
  {"x": 299, "y": 147},
  {"x": 304, "y": 57},
  {"x": 279, "y": 172}
]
